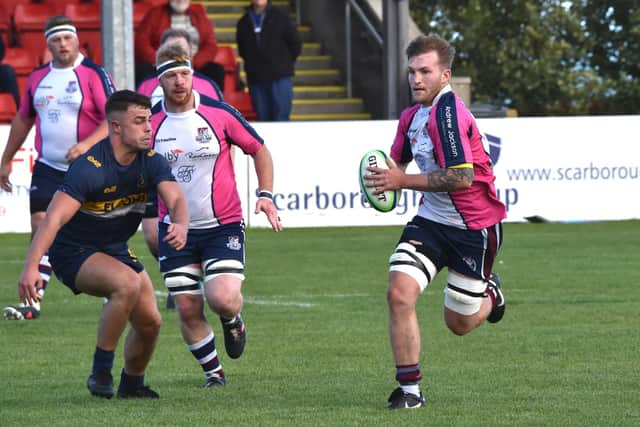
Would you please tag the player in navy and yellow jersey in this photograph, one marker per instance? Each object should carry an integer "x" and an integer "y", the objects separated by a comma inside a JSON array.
[{"x": 87, "y": 226}]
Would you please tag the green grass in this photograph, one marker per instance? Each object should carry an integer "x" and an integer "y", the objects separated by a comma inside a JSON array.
[{"x": 566, "y": 353}]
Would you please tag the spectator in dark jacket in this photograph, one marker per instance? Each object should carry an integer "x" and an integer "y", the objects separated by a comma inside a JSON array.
[
  {"x": 8, "y": 81},
  {"x": 269, "y": 43},
  {"x": 182, "y": 15}
]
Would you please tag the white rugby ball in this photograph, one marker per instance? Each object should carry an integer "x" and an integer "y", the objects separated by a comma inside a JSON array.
[{"x": 383, "y": 202}]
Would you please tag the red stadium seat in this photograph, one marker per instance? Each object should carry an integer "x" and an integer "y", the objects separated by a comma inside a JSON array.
[
  {"x": 86, "y": 18},
  {"x": 23, "y": 61},
  {"x": 242, "y": 101},
  {"x": 10, "y": 5},
  {"x": 226, "y": 57},
  {"x": 29, "y": 20},
  {"x": 60, "y": 5},
  {"x": 7, "y": 108}
]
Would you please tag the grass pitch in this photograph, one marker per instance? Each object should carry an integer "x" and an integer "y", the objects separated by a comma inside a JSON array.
[{"x": 566, "y": 353}]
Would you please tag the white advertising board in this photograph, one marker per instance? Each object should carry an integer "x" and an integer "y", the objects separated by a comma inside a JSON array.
[{"x": 559, "y": 169}]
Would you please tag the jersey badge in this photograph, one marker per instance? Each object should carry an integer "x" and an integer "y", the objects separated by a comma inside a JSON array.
[
  {"x": 94, "y": 162},
  {"x": 203, "y": 135},
  {"x": 72, "y": 87},
  {"x": 111, "y": 189},
  {"x": 234, "y": 243}
]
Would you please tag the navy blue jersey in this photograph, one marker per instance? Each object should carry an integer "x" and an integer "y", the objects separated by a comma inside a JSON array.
[{"x": 112, "y": 196}]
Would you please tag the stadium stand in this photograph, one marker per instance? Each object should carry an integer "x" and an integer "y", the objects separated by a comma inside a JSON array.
[{"x": 226, "y": 57}]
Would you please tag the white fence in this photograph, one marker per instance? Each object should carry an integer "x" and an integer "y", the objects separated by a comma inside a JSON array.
[{"x": 559, "y": 169}]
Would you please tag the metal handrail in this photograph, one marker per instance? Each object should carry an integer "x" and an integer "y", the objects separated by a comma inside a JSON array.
[{"x": 349, "y": 4}]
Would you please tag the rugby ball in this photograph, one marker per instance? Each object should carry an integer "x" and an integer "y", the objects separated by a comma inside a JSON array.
[{"x": 383, "y": 202}]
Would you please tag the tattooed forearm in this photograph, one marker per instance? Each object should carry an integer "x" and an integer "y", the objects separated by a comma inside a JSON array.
[{"x": 450, "y": 179}]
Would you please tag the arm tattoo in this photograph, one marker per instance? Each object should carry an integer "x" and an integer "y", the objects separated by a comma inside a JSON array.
[{"x": 450, "y": 179}]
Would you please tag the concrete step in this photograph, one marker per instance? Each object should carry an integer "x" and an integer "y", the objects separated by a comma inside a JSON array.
[
  {"x": 308, "y": 48},
  {"x": 228, "y": 34},
  {"x": 328, "y": 106},
  {"x": 330, "y": 117},
  {"x": 317, "y": 91},
  {"x": 312, "y": 77},
  {"x": 235, "y": 6}
]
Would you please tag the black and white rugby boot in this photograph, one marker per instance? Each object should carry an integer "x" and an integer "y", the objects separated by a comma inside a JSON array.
[
  {"x": 497, "y": 312},
  {"x": 401, "y": 400}
]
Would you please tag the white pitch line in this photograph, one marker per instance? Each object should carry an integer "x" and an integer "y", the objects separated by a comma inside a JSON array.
[{"x": 272, "y": 302}]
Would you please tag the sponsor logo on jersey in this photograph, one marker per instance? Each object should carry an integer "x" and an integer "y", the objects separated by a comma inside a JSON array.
[
  {"x": 111, "y": 205},
  {"x": 173, "y": 155},
  {"x": 234, "y": 243},
  {"x": 185, "y": 173},
  {"x": 93, "y": 161},
  {"x": 203, "y": 135},
  {"x": 54, "y": 115},
  {"x": 159, "y": 140},
  {"x": 41, "y": 101},
  {"x": 111, "y": 189},
  {"x": 72, "y": 86}
]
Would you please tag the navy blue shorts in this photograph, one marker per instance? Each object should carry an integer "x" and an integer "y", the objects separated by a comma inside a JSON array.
[
  {"x": 468, "y": 252},
  {"x": 151, "y": 208},
  {"x": 225, "y": 242},
  {"x": 66, "y": 260},
  {"x": 45, "y": 181}
]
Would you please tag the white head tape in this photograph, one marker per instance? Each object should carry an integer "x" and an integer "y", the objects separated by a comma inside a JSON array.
[
  {"x": 165, "y": 67},
  {"x": 60, "y": 29}
]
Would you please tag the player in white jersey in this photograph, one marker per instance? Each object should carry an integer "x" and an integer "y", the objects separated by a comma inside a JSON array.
[
  {"x": 195, "y": 134},
  {"x": 65, "y": 99}
]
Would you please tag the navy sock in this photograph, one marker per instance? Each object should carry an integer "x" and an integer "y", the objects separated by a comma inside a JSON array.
[
  {"x": 131, "y": 382},
  {"x": 102, "y": 361}
]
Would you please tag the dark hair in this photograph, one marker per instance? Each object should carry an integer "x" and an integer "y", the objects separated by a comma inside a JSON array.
[
  {"x": 121, "y": 101},
  {"x": 171, "y": 33},
  {"x": 54, "y": 21},
  {"x": 432, "y": 43}
]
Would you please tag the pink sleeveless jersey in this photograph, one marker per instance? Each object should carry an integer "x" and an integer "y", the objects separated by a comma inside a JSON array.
[
  {"x": 446, "y": 135},
  {"x": 197, "y": 146},
  {"x": 67, "y": 104}
]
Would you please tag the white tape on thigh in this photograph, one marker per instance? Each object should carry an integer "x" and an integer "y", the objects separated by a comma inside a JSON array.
[
  {"x": 463, "y": 294},
  {"x": 408, "y": 260},
  {"x": 183, "y": 280},
  {"x": 213, "y": 268}
]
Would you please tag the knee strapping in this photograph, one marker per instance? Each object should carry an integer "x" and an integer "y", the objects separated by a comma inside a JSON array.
[
  {"x": 183, "y": 280},
  {"x": 408, "y": 260},
  {"x": 214, "y": 267},
  {"x": 463, "y": 295}
]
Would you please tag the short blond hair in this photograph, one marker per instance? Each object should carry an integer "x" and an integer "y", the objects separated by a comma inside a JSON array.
[{"x": 172, "y": 52}]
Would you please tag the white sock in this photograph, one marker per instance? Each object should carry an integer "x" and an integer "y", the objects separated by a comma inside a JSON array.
[{"x": 411, "y": 389}]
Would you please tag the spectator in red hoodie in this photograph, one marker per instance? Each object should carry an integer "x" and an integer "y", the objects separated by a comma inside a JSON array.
[{"x": 178, "y": 14}]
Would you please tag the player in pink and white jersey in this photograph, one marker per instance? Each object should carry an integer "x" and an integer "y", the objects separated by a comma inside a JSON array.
[
  {"x": 195, "y": 134},
  {"x": 151, "y": 87},
  {"x": 65, "y": 99},
  {"x": 458, "y": 224}
]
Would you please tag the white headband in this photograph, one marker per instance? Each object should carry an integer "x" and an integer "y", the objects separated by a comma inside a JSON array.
[
  {"x": 60, "y": 29},
  {"x": 165, "y": 67}
]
